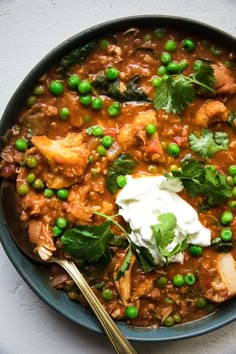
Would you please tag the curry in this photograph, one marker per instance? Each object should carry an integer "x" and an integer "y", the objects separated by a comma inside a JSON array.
[{"x": 124, "y": 160}]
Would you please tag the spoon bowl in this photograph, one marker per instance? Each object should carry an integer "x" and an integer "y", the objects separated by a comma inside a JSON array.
[{"x": 20, "y": 236}]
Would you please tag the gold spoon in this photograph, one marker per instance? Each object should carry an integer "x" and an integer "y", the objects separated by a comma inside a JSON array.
[{"x": 20, "y": 236}]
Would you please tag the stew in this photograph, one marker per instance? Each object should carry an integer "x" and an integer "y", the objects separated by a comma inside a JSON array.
[{"x": 124, "y": 158}]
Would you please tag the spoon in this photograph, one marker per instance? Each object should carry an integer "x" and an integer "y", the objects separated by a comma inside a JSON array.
[{"x": 21, "y": 238}]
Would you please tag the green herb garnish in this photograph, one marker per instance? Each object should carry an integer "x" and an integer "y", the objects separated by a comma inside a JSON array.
[
  {"x": 208, "y": 144},
  {"x": 176, "y": 92},
  {"x": 123, "y": 165}
]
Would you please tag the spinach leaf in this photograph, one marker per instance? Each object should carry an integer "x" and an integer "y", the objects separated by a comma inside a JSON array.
[
  {"x": 123, "y": 165},
  {"x": 77, "y": 56},
  {"x": 87, "y": 242}
]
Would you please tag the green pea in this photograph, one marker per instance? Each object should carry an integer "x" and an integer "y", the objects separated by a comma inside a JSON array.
[
  {"x": 48, "y": 192},
  {"x": 112, "y": 73},
  {"x": 166, "y": 58},
  {"x": 90, "y": 158},
  {"x": 86, "y": 100},
  {"x": 195, "y": 250},
  {"x": 232, "y": 170},
  {"x": 147, "y": 38},
  {"x": 178, "y": 280},
  {"x": 228, "y": 64},
  {"x": 226, "y": 234},
  {"x": 107, "y": 141},
  {"x": 87, "y": 118},
  {"x": 104, "y": 43},
  {"x": 56, "y": 231},
  {"x": 173, "y": 149},
  {"x": 97, "y": 131},
  {"x": 31, "y": 100},
  {"x": 38, "y": 184},
  {"x": 38, "y": 90},
  {"x": 188, "y": 44},
  {"x": 101, "y": 150},
  {"x": 97, "y": 103},
  {"x": 152, "y": 169},
  {"x": 232, "y": 204},
  {"x": 173, "y": 67},
  {"x": 189, "y": 279},
  {"x": 31, "y": 177},
  {"x": 161, "y": 70},
  {"x": 201, "y": 302},
  {"x": 121, "y": 181},
  {"x": 215, "y": 51},
  {"x": 31, "y": 161},
  {"x": 230, "y": 180},
  {"x": 131, "y": 311},
  {"x": 197, "y": 65},
  {"x": 113, "y": 110},
  {"x": 170, "y": 46},
  {"x": 156, "y": 81},
  {"x": 74, "y": 81},
  {"x": 22, "y": 190},
  {"x": 169, "y": 321},
  {"x": 177, "y": 318},
  {"x": 61, "y": 222},
  {"x": 62, "y": 193},
  {"x": 161, "y": 282},
  {"x": 150, "y": 129},
  {"x": 84, "y": 87},
  {"x": 72, "y": 295},
  {"x": 183, "y": 65},
  {"x": 160, "y": 33},
  {"x": 168, "y": 300},
  {"x": 107, "y": 294},
  {"x": 21, "y": 144},
  {"x": 56, "y": 88},
  {"x": 226, "y": 218},
  {"x": 64, "y": 113}
]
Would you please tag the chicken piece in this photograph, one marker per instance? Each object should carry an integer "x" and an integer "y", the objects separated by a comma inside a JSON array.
[
  {"x": 224, "y": 82},
  {"x": 123, "y": 285},
  {"x": 211, "y": 112},
  {"x": 69, "y": 155},
  {"x": 40, "y": 235},
  {"x": 223, "y": 285},
  {"x": 143, "y": 289}
]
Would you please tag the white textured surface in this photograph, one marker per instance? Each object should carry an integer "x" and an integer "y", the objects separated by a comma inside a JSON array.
[{"x": 28, "y": 30}]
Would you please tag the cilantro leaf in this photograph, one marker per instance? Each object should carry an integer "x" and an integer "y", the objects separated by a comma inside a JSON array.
[
  {"x": 164, "y": 231},
  {"x": 125, "y": 265},
  {"x": 197, "y": 178},
  {"x": 208, "y": 144},
  {"x": 191, "y": 175},
  {"x": 180, "y": 247},
  {"x": 87, "y": 242},
  {"x": 204, "y": 78},
  {"x": 215, "y": 186},
  {"x": 144, "y": 258},
  {"x": 176, "y": 92},
  {"x": 123, "y": 165},
  {"x": 232, "y": 119}
]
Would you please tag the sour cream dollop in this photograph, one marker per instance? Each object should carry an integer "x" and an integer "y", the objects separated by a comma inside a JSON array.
[{"x": 143, "y": 199}]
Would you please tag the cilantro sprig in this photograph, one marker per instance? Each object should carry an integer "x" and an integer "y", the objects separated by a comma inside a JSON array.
[
  {"x": 164, "y": 234},
  {"x": 176, "y": 92},
  {"x": 206, "y": 180},
  {"x": 208, "y": 143}
]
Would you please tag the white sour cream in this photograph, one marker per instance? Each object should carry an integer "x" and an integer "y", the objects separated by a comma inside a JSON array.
[{"x": 143, "y": 199}]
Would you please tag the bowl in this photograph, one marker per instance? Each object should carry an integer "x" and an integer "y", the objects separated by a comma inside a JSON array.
[{"x": 33, "y": 275}]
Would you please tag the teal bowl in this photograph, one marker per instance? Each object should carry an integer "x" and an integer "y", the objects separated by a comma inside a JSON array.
[{"x": 33, "y": 274}]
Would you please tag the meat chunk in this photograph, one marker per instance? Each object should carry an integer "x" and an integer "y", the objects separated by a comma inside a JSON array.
[
  {"x": 40, "y": 235},
  {"x": 123, "y": 285},
  {"x": 223, "y": 285},
  {"x": 211, "y": 112},
  {"x": 225, "y": 84},
  {"x": 69, "y": 155}
]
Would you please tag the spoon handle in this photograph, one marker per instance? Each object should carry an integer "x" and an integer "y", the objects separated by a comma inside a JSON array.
[{"x": 118, "y": 340}]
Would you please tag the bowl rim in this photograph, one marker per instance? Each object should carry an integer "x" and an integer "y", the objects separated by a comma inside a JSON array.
[{"x": 26, "y": 267}]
